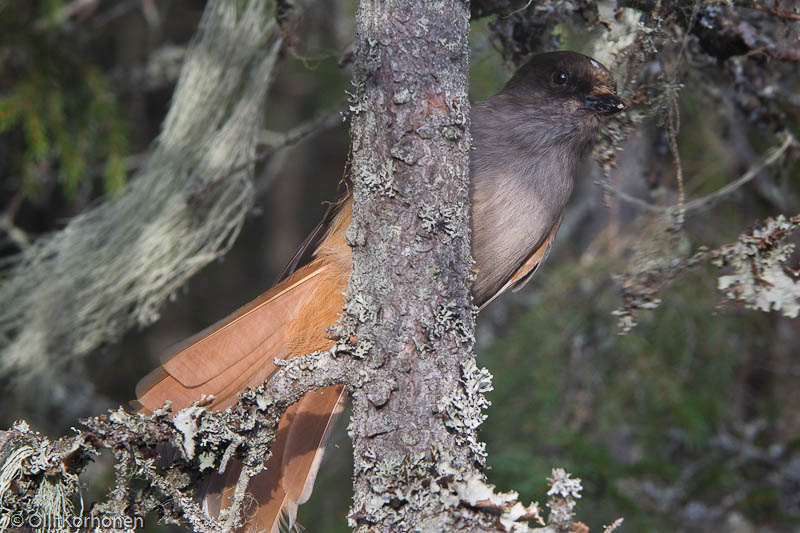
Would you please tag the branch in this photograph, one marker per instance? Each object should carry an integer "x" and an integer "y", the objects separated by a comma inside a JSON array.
[
  {"x": 780, "y": 13},
  {"x": 698, "y": 203},
  {"x": 202, "y": 442},
  {"x": 761, "y": 277},
  {"x": 16, "y": 234},
  {"x": 272, "y": 141}
]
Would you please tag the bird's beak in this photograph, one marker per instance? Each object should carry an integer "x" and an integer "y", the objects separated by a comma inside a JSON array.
[{"x": 605, "y": 103}]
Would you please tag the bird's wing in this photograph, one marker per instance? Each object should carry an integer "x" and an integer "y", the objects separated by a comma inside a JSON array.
[
  {"x": 529, "y": 266},
  {"x": 329, "y": 222},
  {"x": 239, "y": 352},
  {"x": 236, "y": 352}
]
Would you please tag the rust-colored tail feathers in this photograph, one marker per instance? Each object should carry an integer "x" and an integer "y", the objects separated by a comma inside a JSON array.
[{"x": 239, "y": 352}]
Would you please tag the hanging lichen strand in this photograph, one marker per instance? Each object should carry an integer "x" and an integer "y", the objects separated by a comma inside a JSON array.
[{"x": 113, "y": 266}]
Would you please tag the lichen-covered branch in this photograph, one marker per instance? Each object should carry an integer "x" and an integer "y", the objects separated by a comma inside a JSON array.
[
  {"x": 761, "y": 276},
  {"x": 172, "y": 453}
]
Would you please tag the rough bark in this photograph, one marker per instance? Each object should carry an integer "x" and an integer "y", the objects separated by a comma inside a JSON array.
[{"x": 414, "y": 419}]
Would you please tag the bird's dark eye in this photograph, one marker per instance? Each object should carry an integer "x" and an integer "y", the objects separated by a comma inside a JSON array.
[{"x": 560, "y": 78}]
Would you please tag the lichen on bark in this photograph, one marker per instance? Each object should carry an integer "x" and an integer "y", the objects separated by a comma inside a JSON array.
[
  {"x": 411, "y": 264},
  {"x": 418, "y": 460}
]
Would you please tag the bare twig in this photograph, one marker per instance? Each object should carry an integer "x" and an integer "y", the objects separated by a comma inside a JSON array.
[
  {"x": 673, "y": 127},
  {"x": 632, "y": 200},
  {"x": 117, "y": 10},
  {"x": 136, "y": 440},
  {"x": 71, "y": 9},
  {"x": 780, "y": 13},
  {"x": 151, "y": 14},
  {"x": 16, "y": 234},
  {"x": 752, "y": 172},
  {"x": 272, "y": 141},
  {"x": 769, "y": 160}
]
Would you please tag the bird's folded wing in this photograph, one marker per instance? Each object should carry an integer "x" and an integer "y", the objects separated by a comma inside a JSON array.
[
  {"x": 236, "y": 352},
  {"x": 240, "y": 352},
  {"x": 529, "y": 267}
]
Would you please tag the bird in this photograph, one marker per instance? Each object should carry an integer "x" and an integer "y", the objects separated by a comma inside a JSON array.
[{"x": 528, "y": 141}]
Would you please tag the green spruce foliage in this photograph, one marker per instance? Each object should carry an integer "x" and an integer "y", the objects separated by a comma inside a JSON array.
[{"x": 57, "y": 111}]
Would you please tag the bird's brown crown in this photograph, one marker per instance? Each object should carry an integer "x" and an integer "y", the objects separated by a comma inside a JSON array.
[{"x": 568, "y": 76}]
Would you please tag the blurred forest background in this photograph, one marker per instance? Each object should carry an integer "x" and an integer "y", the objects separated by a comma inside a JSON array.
[{"x": 689, "y": 422}]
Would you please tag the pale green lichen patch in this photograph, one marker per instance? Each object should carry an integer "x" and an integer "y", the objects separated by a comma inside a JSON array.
[
  {"x": 379, "y": 391},
  {"x": 475, "y": 492},
  {"x": 381, "y": 181},
  {"x": 761, "y": 278},
  {"x": 360, "y": 306},
  {"x": 402, "y": 96},
  {"x": 186, "y": 422},
  {"x": 463, "y": 409},
  {"x": 445, "y": 218},
  {"x": 449, "y": 317},
  {"x": 405, "y": 152},
  {"x": 561, "y": 497}
]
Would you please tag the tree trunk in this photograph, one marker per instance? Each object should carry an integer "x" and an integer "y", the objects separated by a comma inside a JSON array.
[{"x": 413, "y": 425}]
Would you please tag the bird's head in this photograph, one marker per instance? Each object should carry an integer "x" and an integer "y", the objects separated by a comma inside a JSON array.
[{"x": 566, "y": 86}]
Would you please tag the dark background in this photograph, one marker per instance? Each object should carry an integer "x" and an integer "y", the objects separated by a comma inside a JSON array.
[{"x": 691, "y": 422}]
